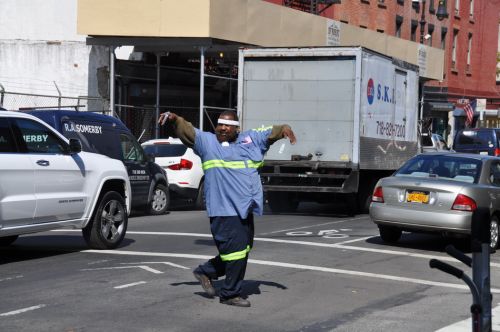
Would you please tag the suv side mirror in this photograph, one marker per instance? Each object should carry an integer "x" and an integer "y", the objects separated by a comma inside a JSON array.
[
  {"x": 151, "y": 157},
  {"x": 75, "y": 146}
]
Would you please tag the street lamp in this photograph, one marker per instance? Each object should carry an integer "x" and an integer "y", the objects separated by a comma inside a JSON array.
[{"x": 440, "y": 14}]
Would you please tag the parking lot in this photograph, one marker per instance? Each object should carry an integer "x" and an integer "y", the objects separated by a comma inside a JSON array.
[{"x": 314, "y": 270}]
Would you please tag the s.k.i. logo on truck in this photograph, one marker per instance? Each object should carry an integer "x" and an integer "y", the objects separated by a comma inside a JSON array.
[
  {"x": 383, "y": 93},
  {"x": 370, "y": 91}
]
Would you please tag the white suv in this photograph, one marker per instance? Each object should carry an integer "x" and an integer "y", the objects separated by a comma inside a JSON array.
[
  {"x": 183, "y": 166},
  {"x": 46, "y": 182}
]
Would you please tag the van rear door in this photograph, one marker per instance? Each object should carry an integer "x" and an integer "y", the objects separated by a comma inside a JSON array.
[{"x": 481, "y": 141}]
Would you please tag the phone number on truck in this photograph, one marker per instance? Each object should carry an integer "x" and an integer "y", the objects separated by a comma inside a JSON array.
[{"x": 390, "y": 129}]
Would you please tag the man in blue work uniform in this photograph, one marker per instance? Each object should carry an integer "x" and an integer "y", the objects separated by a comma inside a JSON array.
[{"x": 233, "y": 193}]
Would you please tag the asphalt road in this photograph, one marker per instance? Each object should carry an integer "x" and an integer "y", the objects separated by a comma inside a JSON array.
[{"x": 315, "y": 270}]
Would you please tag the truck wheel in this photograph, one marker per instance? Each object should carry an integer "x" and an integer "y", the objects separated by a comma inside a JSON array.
[
  {"x": 161, "y": 200},
  {"x": 199, "y": 203},
  {"x": 281, "y": 202},
  {"x": 389, "y": 234},
  {"x": 108, "y": 225},
  {"x": 8, "y": 240},
  {"x": 494, "y": 234},
  {"x": 365, "y": 197}
]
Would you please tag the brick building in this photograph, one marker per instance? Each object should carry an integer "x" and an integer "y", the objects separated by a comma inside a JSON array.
[{"x": 468, "y": 35}]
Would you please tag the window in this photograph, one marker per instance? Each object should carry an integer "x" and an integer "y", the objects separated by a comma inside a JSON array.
[
  {"x": 414, "y": 25},
  {"x": 131, "y": 150},
  {"x": 454, "y": 49},
  {"x": 457, "y": 7},
  {"x": 471, "y": 9},
  {"x": 444, "y": 31},
  {"x": 399, "y": 23},
  {"x": 40, "y": 139},
  {"x": 469, "y": 50},
  {"x": 432, "y": 9},
  {"x": 495, "y": 174},
  {"x": 7, "y": 143},
  {"x": 430, "y": 34}
]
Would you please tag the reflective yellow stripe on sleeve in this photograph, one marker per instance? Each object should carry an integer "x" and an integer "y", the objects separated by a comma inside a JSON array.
[{"x": 234, "y": 256}]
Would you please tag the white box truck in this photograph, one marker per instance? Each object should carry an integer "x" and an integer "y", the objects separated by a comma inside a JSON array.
[{"x": 354, "y": 113}]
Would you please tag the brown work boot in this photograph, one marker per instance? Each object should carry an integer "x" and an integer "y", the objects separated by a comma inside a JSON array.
[
  {"x": 236, "y": 301},
  {"x": 205, "y": 281}
]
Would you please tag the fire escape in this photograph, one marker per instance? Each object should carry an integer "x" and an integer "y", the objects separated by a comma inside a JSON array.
[{"x": 315, "y": 7}]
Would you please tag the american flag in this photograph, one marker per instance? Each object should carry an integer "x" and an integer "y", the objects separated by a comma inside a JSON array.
[{"x": 469, "y": 110}]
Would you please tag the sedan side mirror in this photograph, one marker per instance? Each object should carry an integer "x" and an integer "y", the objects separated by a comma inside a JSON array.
[{"x": 75, "y": 146}]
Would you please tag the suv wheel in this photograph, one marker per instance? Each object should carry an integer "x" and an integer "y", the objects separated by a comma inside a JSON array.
[
  {"x": 161, "y": 200},
  {"x": 7, "y": 240},
  {"x": 108, "y": 225}
]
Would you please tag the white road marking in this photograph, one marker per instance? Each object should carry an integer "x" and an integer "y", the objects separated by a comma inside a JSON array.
[
  {"x": 130, "y": 285},
  {"x": 309, "y": 226},
  {"x": 20, "y": 311},
  {"x": 294, "y": 266},
  {"x": 166, "y": 263},
  {"x": 144, "y": 267},
  {"x": 12, "y": 278},
  {"x": 466, "y": 324},
  {"x": 353, "y": 240}
]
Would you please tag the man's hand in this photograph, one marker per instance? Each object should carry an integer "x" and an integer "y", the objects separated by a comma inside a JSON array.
[
  {"x": 167, "y": 116},
  {"x": 288, "y": 133}
]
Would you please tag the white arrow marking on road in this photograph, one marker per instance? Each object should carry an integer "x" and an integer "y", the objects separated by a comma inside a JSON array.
[
  {"x": 166, "y": 263},
  {"x": 295, "y": 266},
  {"x": 130, "y": 285},
  {"x": 144, "y": 267},
  {"x": 20, "y": 311}
]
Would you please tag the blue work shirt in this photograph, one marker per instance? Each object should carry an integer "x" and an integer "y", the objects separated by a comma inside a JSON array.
[{"x": 232, "y": 180}]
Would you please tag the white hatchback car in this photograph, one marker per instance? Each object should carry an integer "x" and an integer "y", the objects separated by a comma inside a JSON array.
[{"x": 183, "y": 166}]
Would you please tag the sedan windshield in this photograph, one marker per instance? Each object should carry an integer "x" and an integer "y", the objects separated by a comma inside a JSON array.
[{"x": 442, "y": 166}]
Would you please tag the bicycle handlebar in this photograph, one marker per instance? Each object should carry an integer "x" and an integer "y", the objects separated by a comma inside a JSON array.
[
  {"x": 455, "y": 253},
  {"x": 445, "y": 267}
]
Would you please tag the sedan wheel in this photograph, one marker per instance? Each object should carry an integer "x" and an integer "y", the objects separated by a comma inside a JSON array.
[
  {"x": 494, "y": 233},
  {"x": 389, "y": 234}
]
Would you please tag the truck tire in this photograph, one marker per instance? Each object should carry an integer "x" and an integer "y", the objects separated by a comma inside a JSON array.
[
  {"x": 281, "y": 202},
  {"x": 365, "y": 196},
  {"x": 7, "y": 240},
  {"x": 389, "y": 234},
  {"x": 108, "y": 225},
  {"x": 160, "y": 200},
  {"x": 199, "y": 203}
]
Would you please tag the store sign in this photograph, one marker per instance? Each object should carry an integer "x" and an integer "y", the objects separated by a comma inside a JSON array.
[{"x": 332, "y": 33}]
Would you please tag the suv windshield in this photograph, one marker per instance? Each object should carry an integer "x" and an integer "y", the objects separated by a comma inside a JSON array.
[{"x": 442, "y": 166}]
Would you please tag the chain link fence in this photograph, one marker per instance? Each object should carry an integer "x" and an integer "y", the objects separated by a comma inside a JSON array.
[{"x": 21, "y": 101}]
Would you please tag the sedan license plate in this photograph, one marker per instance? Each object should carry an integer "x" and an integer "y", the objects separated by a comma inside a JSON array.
[{"x": 417, "y": 197}]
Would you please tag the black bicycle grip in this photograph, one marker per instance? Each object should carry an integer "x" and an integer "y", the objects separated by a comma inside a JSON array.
[
  {"x": 445, "y": 267},
  {"x": 455, "y": 253}
]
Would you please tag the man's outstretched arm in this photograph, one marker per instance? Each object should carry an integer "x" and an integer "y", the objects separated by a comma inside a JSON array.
[
  {"x": 183, "y": 129},
  {"x": 281, "y": 131}
]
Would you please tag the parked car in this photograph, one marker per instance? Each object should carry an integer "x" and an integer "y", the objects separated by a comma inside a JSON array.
[
  {"x": 437, "y": 192},
  {"x": 109, "y": 136},
  {"x": 478, "y": 140},
  {"x": 183, "y": 168},
  {"x": 433, "y": 142},
  {"x": 47, "y": 182}
]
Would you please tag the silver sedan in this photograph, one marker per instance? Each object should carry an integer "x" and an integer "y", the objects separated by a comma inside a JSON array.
[{"x": 438, "y": 192}]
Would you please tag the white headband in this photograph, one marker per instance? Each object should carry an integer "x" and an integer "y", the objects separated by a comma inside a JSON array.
[{"x": 228, "y": 122}]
